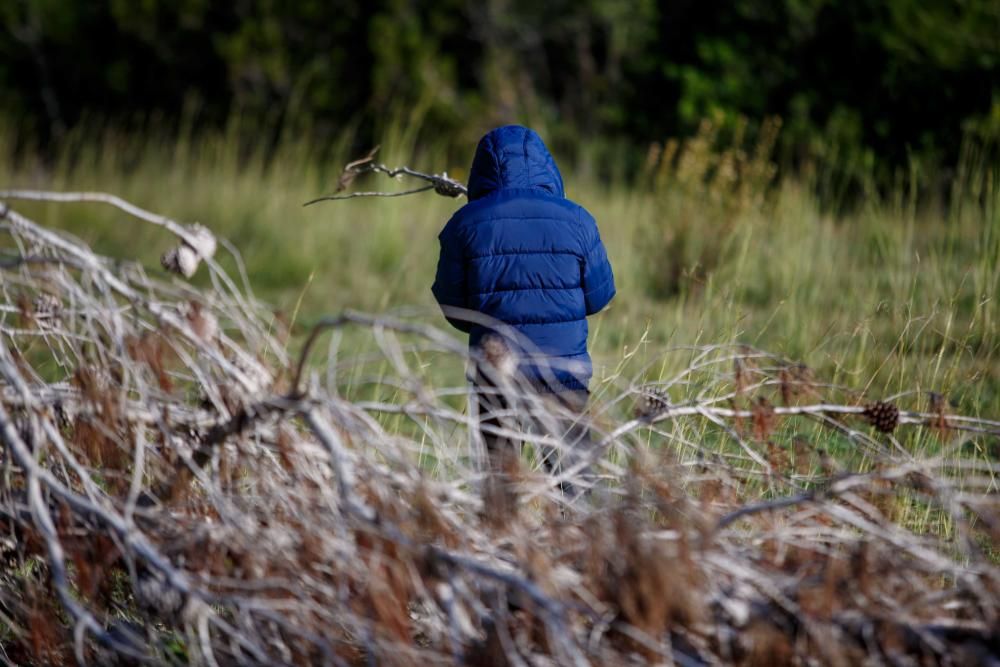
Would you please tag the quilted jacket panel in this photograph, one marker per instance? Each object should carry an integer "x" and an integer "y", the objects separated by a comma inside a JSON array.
[{"x": 521, "y": 253}]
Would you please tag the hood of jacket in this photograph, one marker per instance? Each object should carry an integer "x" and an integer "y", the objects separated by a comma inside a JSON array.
[{"x": 513, "y": 156}]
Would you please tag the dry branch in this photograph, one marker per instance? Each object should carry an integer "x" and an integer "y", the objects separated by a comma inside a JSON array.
[
  {"x": 441, "y": 183},
  {"x": 166, "y": 495}
]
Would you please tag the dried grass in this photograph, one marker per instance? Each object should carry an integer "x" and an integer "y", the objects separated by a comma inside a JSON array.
[{"x": 168, "y": 495}]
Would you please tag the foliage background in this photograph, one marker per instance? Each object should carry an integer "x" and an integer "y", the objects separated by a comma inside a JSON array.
[
  {"x": 856, "y": 79},
  {"x": 817, "y": 178}
]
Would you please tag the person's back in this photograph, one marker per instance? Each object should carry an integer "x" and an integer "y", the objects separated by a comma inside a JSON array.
[{"x": 521, "y": 253}]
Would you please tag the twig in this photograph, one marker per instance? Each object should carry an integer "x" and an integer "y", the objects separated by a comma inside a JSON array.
[
  {"x": 253, "y": 516},
  {"x": 442, "y": 184}
]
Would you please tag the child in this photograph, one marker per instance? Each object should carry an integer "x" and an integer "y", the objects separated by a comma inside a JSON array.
[{"x": 522, "y": 254}]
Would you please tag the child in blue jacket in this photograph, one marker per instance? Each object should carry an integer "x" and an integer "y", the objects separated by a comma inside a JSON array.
[{"x": 521, "y": 253}]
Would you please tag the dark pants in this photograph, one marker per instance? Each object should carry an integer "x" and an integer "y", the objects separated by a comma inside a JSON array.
[{"x": 563, "y": 419}]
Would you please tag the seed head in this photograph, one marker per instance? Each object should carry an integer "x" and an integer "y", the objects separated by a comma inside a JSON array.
[
  {"x": 182, "y": 260},
  {"x": 201, "y": 240}
]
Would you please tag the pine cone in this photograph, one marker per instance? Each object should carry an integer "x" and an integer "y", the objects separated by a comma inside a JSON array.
[
  {"x": 446, "y": 187},
  {"x": 883, "y": 416},
  {"x": 652, "y": 401}
]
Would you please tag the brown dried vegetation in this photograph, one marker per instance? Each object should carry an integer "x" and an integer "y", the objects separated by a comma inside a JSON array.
[{"x": 169, "y": 481}]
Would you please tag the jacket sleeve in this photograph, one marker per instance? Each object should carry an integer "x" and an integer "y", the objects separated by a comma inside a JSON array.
[
  {"x": 598, "y": 279},
  {"x": 449, "y": 283}
]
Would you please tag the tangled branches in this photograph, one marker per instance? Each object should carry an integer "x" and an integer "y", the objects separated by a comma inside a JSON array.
[{"x": 176, "y": 488}]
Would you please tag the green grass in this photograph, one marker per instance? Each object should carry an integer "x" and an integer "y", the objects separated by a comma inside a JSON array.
[
  {"x": 707, "y": 247},
  {"x": 897, "y": 297}
]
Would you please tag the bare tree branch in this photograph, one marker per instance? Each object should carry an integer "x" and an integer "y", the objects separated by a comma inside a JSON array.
[{"x": 165, "y": 464}]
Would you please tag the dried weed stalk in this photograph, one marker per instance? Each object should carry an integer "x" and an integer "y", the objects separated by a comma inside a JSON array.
[{"x": 165, "y": 498}]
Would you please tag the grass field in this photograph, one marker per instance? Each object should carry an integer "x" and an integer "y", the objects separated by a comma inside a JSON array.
[
  {"x": 897, "y": 295},
  {"x": 799, "y": 523}
]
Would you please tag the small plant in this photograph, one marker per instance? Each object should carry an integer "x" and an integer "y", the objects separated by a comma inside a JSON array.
[{"x": 704, "y": 192}]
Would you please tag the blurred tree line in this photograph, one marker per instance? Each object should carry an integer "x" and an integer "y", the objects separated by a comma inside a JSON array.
[{"x": 892, "y": 78}]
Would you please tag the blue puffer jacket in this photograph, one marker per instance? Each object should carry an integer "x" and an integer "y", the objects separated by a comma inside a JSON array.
[{"x": 523, "y": 254}]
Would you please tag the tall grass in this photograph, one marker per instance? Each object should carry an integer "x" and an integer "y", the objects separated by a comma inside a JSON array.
[
  {"x": 743, "y": 515},
  {"x": 707, "y": 246}
]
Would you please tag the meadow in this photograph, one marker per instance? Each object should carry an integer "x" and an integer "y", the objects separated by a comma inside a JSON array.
[
  {"x": 797, "y": 392},
  {"x": 708, "y": 245}
]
